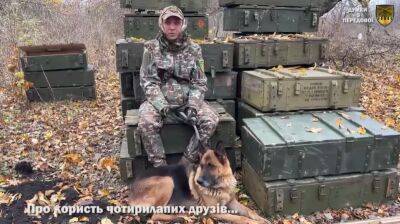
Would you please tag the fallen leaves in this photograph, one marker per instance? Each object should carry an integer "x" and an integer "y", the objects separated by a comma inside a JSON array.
[
  {"x": 339, "y": 122},
  {"x": 390, "y": 122},
  {"x": 108, "y": 163},
  {"x": 48, "y": 135},
  {"x": 104, "y": 192},
  {"x": 362, "y": 131},
  {"x": 73, "y": 158},
  {"x": 7, "y": 198},
  {"x": 106, "y": 220}
]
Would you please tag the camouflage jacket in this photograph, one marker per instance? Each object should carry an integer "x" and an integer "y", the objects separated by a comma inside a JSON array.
[{"x": 173, "y": 78}]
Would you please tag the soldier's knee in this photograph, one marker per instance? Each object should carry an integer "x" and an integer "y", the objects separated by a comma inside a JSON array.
[{"x": 148, "y": 124}]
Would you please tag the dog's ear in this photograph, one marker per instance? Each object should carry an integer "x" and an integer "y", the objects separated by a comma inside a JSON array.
[{"x": 220, "y": 152}]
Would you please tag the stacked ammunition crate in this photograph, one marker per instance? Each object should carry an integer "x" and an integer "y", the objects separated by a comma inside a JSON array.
[
  {"x": 142, "y": 25},
  {"x": 304, "y": 147},
  {"x": 57, "y": 72}
]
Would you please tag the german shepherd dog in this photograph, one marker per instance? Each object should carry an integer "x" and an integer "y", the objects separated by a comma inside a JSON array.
[{"x": 210, "y": 183}]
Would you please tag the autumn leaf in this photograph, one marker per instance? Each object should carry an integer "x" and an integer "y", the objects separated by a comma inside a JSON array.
[
  {"x": 207, "y": 221},
  {"x": 3, "y": 179},
  {"x": 73, "y": 220},
  {"x": 73, "y": 158},
  {"x": 19, "y": 75},
  {"x": 104, "y": 192},
  {"x": 302, "y": 71},
  {"x": 362, "y": 131},
  {"x": 285, "y": 221},
  {"x": 48, "y": 135},
  {"x": 33, "y": 200},
  {"x": 34, "y": 141},
  {"x": 106, "y": 220},
  {"x": 114, "y": 202},
  {"x": 42, "y": 199},
  {"x": 339, "y": 122},
  {"x": 27, "y": 85},
  {"x": 137, "y": 40},
  {"x": 363, "y": 116},
  {"x": 84, "y": 219},
  {"x": 390, "y": 122},
  {"x": 108, "y": 163},
  {"x": 7, "y": 198},
  {"x": 48, "y": 192}
]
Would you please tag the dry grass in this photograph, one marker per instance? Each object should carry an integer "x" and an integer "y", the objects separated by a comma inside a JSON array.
[{"x": 97, "y": 24}]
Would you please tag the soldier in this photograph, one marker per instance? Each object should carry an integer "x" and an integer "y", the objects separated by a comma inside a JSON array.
[{"x": 172, "y": 77}]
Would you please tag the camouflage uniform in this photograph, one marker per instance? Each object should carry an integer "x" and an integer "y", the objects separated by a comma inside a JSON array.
[{"x": 172, "y": 75}]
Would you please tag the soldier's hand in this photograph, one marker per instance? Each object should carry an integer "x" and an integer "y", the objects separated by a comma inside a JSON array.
[
  {"x": 164, "y": 111},
  {"x": 191, "y": 114}
]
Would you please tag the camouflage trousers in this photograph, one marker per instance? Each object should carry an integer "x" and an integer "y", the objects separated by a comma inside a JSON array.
[{"x": 151, "y": 122}]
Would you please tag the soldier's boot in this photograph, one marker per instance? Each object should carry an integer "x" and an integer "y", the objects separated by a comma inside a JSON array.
[{"x": 153, "y": 145}]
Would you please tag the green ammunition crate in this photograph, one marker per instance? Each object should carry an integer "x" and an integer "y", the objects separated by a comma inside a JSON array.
[
  {"x": 310, "y": 195},
  {"x": 61, "y": 78},
  {"x": 324, "y": 5},
  {"x": 218, "y": 57},
  {"x": 260, "y": 19},
  {"x": 176, "y": 136},
  {"x": 130, "y": 167},
  {"x": 126, "y": 81},
  {"x": 246, "y": 111},
  {"x": 130, "y": 85},
  {"x": 273, "y": 51},
  {"x": 285, "y": 89},
  {"x": 320, "y": 143},
  {"x": 129, "y": 103},
  {"x": 129, "y": 55},
  {"x": 184, "y": 5},
  {"x": 53, "y": 57},
  {"x": 221, "y": 86},
  {"x": 146, "y": 26},
  {"x": 61, "y": 93},
  {"x": 229, "y": 105}
]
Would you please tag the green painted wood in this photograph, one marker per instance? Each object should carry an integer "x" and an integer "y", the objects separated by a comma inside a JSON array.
[
  {"x": 53, "y": 57},
  {"x": 61, "y": 78},
  {"x": 218, "y": 56},
  {"x": 176, "y": 136},
  {"x": 260, "y": 19},
  {"x": 299, "y": 145},
  {"x": 146, "y": 26},
  {"x": 323, "y": 5},
  {"x": 251, "y": 53},
  {"x": 316, "y": 194},
  {"x": 61, "y": 93},
  {"x": 289, "y": 89}
]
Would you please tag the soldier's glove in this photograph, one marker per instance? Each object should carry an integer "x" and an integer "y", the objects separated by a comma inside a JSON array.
[
  {"x": 191, "y": 115},
  {"x": 164, "y": 111}
]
